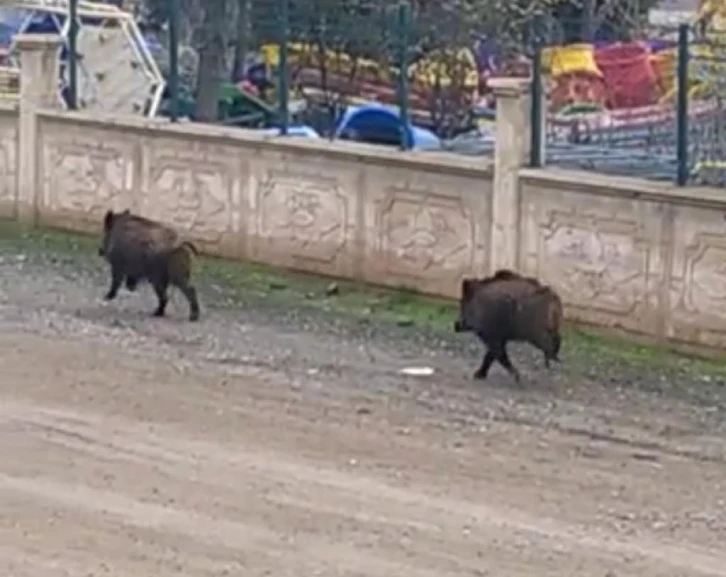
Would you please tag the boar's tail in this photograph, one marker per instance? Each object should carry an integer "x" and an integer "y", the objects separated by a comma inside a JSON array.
[
  {"x": 554, "y": 314},
  {"x": 188, "y": 245}
]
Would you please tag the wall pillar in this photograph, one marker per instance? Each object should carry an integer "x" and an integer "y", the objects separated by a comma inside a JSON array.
[
  {"x": 39, "y": 88},
  {"x": 511, "y": 153}
]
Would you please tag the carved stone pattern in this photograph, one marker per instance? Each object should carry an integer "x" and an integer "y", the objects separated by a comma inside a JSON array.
[
  {"x": 705, "y": 280},
  {"x": 193, "y": 191},
  {"x": 8, "y": 159},
  {"x": 595, "y": 263},
  {"x": 307, "y": 212},
  {"x": 423, "y": 234},
  {"x": 85, "y": 175}
]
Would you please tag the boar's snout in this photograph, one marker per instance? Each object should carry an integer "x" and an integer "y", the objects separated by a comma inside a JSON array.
[
  {"x": 459, "y": 326},
  {"x": 101, "y": 252}
]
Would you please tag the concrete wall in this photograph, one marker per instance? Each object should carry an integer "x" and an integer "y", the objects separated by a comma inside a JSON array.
[
  {"x": 626, "y": 254},
  {"x": 8, "y": 160},
  {"x": 397, "y": 219}
]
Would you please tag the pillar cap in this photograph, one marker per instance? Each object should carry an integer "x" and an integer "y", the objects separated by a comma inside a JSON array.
[
  {"x": 26, "y": 42},
  {"x": 508, "y": 86}
]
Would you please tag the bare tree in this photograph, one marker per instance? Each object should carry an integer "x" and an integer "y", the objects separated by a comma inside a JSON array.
[
  {"x": 212, "y": 59},
  {"x": 242, "y": 37},
  {"x": 343, "y": 50}
]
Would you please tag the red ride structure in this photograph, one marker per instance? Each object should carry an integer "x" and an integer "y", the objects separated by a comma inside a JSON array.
[{"x": 630, "y": 80}]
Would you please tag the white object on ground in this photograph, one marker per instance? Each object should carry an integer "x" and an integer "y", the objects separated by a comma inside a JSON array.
[{"x": 418, "y": 371}]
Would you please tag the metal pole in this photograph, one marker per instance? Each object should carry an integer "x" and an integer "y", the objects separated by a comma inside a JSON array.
[
  {"x": 682, "y": 106},
  {"x": 283, "y": 90},
  {"x": 535, "y": 145},
  {"x": 72, "y": 54},
  {"x": 403, "y": 26},
  {"x": 174, "y": 13}
]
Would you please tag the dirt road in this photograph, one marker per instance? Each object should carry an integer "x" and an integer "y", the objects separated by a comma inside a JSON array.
[{"x": 132, "y": 446}]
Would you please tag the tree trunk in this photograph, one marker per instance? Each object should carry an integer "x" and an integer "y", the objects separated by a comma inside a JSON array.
[
  {"x": 242, "y": 40},
  {"x": 211, "y": 60}
]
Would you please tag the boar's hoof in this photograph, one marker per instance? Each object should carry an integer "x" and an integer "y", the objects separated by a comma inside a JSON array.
[
  {"x": 158, "y": 313},
  {"x": 193, "y": 317},
  {"x": 480, "y": 375}
]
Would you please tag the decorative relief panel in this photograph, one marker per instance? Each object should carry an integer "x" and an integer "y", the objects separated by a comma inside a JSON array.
[
  {"x": 86, "y": 171},
  {"x": 8, "y": 158},
  {"x": 596, "y": 262},
  {"x": 698, "y": 276},
  {"x": 705, "y": 277},
  {"x": 303, "y": 213},
  {"x": 193, "y": 186},
  {"x": 599, "y": 252},
  {"x": 423, "y": 234}
]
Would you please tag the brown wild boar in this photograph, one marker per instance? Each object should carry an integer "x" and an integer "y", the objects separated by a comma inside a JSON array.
[
  {"x": 509, "y": 307},
  {"x": 141, "y": 249}
]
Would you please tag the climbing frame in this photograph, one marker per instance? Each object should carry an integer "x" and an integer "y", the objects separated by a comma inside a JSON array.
[{"x": 116, "y": 72}]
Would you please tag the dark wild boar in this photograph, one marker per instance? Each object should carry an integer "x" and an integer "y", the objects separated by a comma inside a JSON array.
[
  {"x": 509, "y": 307},
  {"x": 139, "y": 249}
]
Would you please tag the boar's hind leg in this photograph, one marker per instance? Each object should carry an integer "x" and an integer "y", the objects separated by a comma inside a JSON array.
[
  {"x": 556, "y": 344},
  {"x": 117, "y": 277},
  {"x": 551, "y": 349},
  {"x": 506, "y": 362},
  {"x": 191, "y": 295},
  {"x": 160, "y": 288}
]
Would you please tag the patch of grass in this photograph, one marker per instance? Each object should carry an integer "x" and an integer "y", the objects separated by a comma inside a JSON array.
[
  {"x": 346, "y": 298},
  {"x": 246, "y": 282},
  {"x": 604, "y": 348}
]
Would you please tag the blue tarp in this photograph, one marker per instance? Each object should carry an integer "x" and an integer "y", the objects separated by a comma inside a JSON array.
[
  {"x": 10, "y": 22},
  {"x": 380, "y": 123}
]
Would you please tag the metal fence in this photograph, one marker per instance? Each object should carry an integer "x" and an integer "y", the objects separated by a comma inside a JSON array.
[
  {"x": 705, "y": 88},
  {"x": 306, "y": 65},
  {"x": 651, "y": 107}
]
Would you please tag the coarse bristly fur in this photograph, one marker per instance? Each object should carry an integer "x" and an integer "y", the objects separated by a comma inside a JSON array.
[
  {"x": 140, "y": 249},
  {"x": 510, "y": 307}
]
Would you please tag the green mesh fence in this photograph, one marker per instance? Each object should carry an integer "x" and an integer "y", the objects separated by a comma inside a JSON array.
[
  {"x": 707, "y": 106},
  {"x": 610, "y": 101},
  {"x": 307, "y": 63}
]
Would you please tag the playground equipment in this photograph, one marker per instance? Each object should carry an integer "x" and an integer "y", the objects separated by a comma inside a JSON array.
[
  {"x": 628, "y": 74},
  {"x": 453, "y": 72},
  {"x": 116, "y": 72},
  {"x": 574, "y": 75}
]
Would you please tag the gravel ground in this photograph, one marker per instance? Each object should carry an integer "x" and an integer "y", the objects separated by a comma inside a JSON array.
[{"x": 277, "y": 436}]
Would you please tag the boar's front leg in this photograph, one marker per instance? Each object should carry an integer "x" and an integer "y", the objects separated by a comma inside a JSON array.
[
  {"x": 161, "y": 286},
  {"x": 117, "y": 277},
  {"x": 131, "y": 283},
  {"x": 482, "y": 372}
]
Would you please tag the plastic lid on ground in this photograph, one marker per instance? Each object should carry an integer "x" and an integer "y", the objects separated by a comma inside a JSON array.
[{"x": 299, "y": 130}]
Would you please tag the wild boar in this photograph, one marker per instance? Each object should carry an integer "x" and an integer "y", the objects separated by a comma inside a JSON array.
[
  {"x": 139, "y": 249},
  {"x": 509, "y": 307}
]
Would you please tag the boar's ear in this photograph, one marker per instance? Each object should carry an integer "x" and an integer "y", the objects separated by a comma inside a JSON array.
[
  {"x": 505, "y": 274},
  {"x": 468, "y": 285},
  {"x": 108, "y": 219}
]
